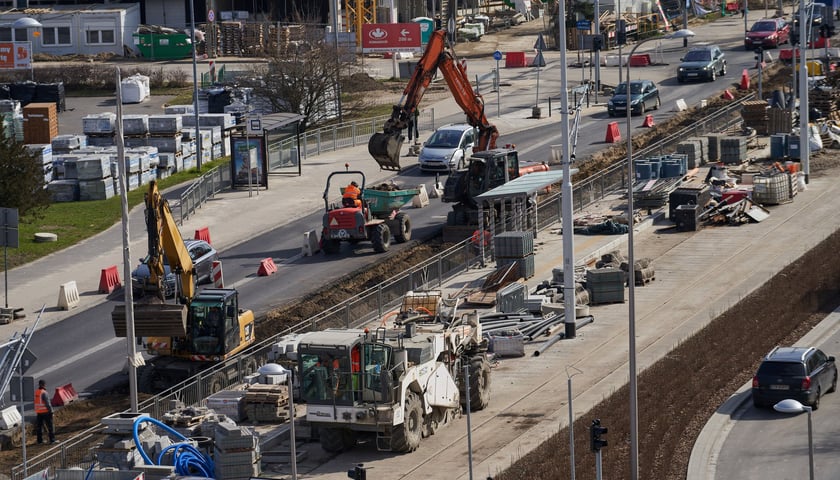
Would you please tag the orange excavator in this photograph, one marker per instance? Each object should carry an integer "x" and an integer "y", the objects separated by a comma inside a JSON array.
[{"x": 385, "y": 147}]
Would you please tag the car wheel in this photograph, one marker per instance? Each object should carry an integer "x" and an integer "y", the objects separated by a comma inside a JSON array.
[
  {"x": 713, "y": 76},
  {"x": 833, "y": 384},
  {"x": 610, "y": 113},
  {"x": 680, "y": 79},
  {"x": 747, "y": 47},
  {"x": 723, "y": 70},
  {"x": 657, "y": 104},
  {"x": 642, "y": 108}
]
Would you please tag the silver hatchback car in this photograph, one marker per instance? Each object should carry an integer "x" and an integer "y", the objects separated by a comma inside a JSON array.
[{"x": 447, "y": 147}]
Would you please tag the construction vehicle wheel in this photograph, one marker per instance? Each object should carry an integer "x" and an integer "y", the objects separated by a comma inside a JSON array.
[
  {"x": 450, "y": 219},
  {"x": 218, "y": 382},
  {"x": 146, "y": 379},
  {"x": 434, "y": 420},
  {"x": 479, "y": 383},
  {"x": 381, "y": 238},
  {"x": 331, "y": 246},
  {"x": 336, "y": 440},
  {"x": 406, "y": 437},
  {"x": 403, "y": 233}
]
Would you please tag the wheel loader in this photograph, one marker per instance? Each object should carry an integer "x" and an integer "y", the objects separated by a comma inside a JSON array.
[
  {"x": 200, "y": 330},
  {"x": 398, "y": 384}
]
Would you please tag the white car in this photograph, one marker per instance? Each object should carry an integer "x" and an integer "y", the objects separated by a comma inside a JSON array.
[{"x": 447, "y": 147}]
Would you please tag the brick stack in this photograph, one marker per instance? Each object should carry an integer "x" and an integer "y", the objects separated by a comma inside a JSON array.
[
  {"x": 754, "y": 114},
  {"x": 40, "y": 123},
  {"x": 236, "y": 453},
  {"x": 165, "y": 133},
  {"x": 266, "y": 403},
  {"x": 135, "y": 130},
  {"x": 517, "y": 248},
  {"x": 230, "y": 38}
]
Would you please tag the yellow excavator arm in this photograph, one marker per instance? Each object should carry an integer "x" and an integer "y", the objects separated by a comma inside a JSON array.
[{"x": 165, "y": 239}]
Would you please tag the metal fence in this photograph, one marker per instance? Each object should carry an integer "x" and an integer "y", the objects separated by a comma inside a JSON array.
[
  {"x": 370, "y": 304},
  {"x": 204, "y": 188}
]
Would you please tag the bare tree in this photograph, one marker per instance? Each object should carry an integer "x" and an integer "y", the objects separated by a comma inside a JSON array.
[{"x": 302, "y": 77}]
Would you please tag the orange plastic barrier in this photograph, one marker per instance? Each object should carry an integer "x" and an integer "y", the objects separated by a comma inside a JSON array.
[
  {"x": 640, "y": 60},
  {"x": 613, "y": 133},
  {"x": 727, "y": 95},
  {"x": 648, "y": 121},
  {"x": 64, "y": 395},
  {"x": 203, "y": 233},
  {"x": 267, "y": 267},
  {"x": 515, "y": 60},
  {"x": 787, "y": 54},
  {"x": 109, "y": 280},
  {"x": 745, "y": 80}
]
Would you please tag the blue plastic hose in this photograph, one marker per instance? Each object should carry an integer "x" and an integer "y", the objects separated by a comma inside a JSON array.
[{"x": 187, "y": 460}]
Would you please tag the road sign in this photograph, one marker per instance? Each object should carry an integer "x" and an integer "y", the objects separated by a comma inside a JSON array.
[
  {"x": 9, "y": 227},
  {"x": 211, "y": 15},
  {"x": 540, "y": 44},
  {"x": 583, "y": 25},
  {"x": 497, "y": 55},
  {"x": 391, "y": 37}
]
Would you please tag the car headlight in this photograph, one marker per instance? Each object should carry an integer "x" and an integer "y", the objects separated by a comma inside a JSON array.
[
  {"x": 610, "y": 103},
  {"x": 705, "y": 68},
  {"x": 448, "y": 156},
  {"x": 681, "y": 69}
]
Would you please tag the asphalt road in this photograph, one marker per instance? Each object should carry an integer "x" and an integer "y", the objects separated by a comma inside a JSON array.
[{"x": 94, "y": 345}]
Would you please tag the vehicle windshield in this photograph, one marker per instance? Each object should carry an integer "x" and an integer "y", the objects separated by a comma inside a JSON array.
[
  {"x": 444, "y": 139},
  {"x": 782, "y": 369},
  {"x": 764, "y": 27},
  {"x": 698, "y": 56},
  {"x": 635, "y": 88}
]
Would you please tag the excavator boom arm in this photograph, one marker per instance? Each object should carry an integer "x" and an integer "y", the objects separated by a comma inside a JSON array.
[
  {"x": 165, "y": 239},
  {"x": 385, "y": 147}
]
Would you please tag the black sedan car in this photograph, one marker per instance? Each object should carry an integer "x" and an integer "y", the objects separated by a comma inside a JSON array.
[
  {"x": 202, "y": 255},
  {"x": 644, "y": 95}
]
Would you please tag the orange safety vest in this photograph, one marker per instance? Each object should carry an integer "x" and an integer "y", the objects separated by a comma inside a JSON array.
[
  {"x": 40, "y": 407},
  {"x": 352, "y": 192}
]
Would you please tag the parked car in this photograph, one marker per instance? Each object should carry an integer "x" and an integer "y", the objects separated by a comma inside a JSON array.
[
  {"x": 702, "y": 63},
  {"x": 447, "y": 147},
  {"x": 800, "y": 373},
  {"x": 202, "y": 254},
  {"x": 643, "y": 95},
  {"x": 767, "y": 33}
]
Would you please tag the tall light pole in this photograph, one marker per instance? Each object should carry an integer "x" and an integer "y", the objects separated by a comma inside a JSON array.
[
  {"x": 789, "y": 405},
  {"x": 631, "y": 293},
  {"x": 198, "y": 151},
  {"x": 566, "y": 188},
  {"x": 804, "y": 147}
]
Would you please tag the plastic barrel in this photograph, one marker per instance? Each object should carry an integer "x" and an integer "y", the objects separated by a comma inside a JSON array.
[{"x": 643, "y": 170}]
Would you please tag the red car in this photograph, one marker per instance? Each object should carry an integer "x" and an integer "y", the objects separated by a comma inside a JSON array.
[{"x": 766, "y": 33}]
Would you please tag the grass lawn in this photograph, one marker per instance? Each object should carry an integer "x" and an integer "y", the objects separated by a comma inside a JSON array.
[{"x": 76, "y": 221}]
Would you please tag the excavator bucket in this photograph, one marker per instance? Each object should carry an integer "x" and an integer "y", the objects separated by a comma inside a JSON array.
[
  {"x": 152, "y": 320},
  {"x": 385, "y": 148}
]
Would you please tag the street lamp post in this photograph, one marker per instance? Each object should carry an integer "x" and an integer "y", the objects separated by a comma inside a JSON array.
[
  {"x": 292, "y": 447},
  {"x": 789, "y": 405},
  {"x": 631, "y": 293}
]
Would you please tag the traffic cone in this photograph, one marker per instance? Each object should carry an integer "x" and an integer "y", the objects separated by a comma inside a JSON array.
[
  {"x": 745, "y": 80},
  {"x": 727, "y": 95},
  {"x": 648, "y": 121}
]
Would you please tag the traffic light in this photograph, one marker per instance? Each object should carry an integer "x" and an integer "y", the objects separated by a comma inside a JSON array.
[
  {"x": 824, "y": 31},
  {"x": 794, "y": 37},
  {"x": 597, "y": 42},
  {"x": 595, "y": 431},
  {"x": 359, "y": 472},
  {"x": 759, "y": 54},
  {"x": 621, "y": 32}
]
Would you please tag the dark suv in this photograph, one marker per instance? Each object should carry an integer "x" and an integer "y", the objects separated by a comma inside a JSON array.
[
  {"x": 800, "y": 373},
  {"x": 702, "y": 63},
  {"x": 643, "y": 96}
]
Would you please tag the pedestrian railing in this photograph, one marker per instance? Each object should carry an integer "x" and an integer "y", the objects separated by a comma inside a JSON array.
[
  {"x": 204, "y": 188},
  {"x": 371, "y": 304}
]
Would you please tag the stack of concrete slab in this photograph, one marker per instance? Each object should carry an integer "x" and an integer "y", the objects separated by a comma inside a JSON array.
[
  {"x": 100, "y": 129},
  {"x": 165, "y": 132},
  {"x": 515, "y": 248},
  {"x": 68, "y": 143},
  {"x": 696, "y": 149},
  {"x": 135, "y": 130},
  {"x": 44, "y": 158},
  {"x": 236, "y": 453},
  {"x": 204, "y": 138},
  {"x": 94, "y": 173}
]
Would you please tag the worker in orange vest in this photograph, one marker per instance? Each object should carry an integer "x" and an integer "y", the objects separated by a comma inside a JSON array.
[
  {"x": 44, "y": 412},
  {"x": 351, "y": 195}
]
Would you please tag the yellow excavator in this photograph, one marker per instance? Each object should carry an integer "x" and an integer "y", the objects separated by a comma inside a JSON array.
[{"x": 199, "y": 330}]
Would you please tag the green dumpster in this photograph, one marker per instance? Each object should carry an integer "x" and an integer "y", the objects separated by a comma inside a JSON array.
[{"x": 163, "y": 46}]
